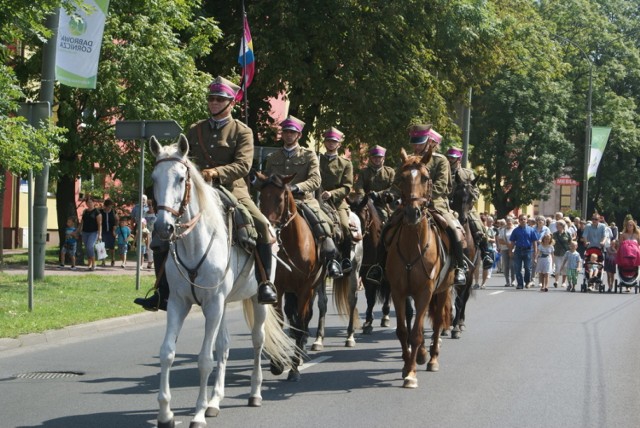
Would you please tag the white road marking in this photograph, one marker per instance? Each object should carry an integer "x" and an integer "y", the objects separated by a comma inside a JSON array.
[
  {"x": 314, "y": 362},
  {"x": 496, "y": 292}
]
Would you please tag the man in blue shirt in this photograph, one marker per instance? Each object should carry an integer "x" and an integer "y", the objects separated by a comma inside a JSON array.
[
  {"x": 594, "y": 234},
  {"x": 523, "y": 243}
]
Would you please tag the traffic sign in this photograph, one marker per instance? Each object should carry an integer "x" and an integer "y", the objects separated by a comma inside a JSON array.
[{"x": 137, "y": 129}]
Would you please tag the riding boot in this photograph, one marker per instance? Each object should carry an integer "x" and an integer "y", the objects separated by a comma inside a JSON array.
[
  {"x": 487, "y": 253},
  {"x": 375, "y": 274},
  {"x": 160, "y": 296},
  {"x": 346, "y": 254},
  {"x": 459, "y": 277},
  {"x": 328, "y": 254},
  {"x": 266, "y": 290}
]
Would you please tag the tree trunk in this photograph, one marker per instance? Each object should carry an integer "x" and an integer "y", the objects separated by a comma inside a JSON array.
[
  {"x": 3, "y": 186},
  {"x": 65, "y": 202}
]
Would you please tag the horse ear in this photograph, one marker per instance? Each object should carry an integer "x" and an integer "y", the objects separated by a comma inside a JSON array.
[
  {"x": 427, "y": 156},
  {"x": 154, "y": 146},
  {"x": 403, "y": 155},
  {"x": 183, "y": 145}
]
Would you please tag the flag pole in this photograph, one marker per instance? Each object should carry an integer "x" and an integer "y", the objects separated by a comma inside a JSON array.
[{"x": 244, "y": 67}]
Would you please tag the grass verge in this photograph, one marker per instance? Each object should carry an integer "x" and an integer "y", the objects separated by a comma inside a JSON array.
[{"x": 60, "y": 301}]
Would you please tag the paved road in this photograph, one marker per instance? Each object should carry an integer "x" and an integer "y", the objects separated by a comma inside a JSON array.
[{"x": 527, "y": 359}]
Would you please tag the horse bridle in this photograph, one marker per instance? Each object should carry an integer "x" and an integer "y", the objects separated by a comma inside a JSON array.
[
  {"x": 186, "y": 198},
  {"x": 424, "y": 201}
]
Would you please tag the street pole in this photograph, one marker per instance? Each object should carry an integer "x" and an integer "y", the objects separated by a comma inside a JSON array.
[
  {"x": 587, "y": 146},
  {"x": 40, "y": 209},
  {"x": 466, "y": 130}
]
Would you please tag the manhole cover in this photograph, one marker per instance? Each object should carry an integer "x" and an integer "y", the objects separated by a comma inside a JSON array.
[{"x": 48, "y": 375}]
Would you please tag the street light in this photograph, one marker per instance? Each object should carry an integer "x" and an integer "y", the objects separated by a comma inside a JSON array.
[{"x": 587, "y": 134}]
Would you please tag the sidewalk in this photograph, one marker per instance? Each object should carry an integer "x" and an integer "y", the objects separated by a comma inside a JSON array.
[{"x": 52, "y": 269}]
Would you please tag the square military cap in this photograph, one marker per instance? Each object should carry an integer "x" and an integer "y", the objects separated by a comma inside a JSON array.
[
  {"x": 292, "y": 123},
  {"x": 333, "y": 134},
  {"x": 223, "y": 88}
]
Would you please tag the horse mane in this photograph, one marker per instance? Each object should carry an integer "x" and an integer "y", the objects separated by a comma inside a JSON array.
[{"x": 208, "y": 199}]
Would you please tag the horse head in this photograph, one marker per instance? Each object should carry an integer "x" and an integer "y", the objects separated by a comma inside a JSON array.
[
  {"x": 276, "y": 200},
  {"x": 415, "y": 185},
  {"x": 173, "y": 176},
  {"x": 462, "y": 199}
]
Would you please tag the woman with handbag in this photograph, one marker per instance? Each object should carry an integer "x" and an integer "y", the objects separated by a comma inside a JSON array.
[{"x": 91, "y": 231}]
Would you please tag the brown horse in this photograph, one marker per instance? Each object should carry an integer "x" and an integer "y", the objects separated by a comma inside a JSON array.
[
  {"x": 300, "y": 272},
  {"x": 462, "y": 202},
  {"x": 418, "y": 267}
]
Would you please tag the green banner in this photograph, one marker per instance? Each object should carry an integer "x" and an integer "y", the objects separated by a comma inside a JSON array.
[{"x": 599, "y": 138}]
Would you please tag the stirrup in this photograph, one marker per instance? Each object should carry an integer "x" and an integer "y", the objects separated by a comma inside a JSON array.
[
  {"x": 459, "y": 277},
  {"x": 346, "y": 266},
  {"x": 333, "y": 269},
  {"x": 375, "y": 274}
]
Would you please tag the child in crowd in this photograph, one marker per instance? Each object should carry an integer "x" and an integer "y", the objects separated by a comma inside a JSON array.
[
  {"x": 572, "y": 262},
  {"x": 611, "y": 254},
  {"x": 543, "y": 261},
  {"x": 593, "y": 266},
  {"x": 122, "y": 233},
  {"x": 70, "y": 243}
]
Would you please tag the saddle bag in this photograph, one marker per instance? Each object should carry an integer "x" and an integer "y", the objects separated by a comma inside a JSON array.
[{"x": 244, "y": 231}]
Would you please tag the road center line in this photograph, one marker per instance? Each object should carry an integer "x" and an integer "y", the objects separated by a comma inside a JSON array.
[
  {"x": 314, "y": 362},
  {"x": 496, "y": 292}
]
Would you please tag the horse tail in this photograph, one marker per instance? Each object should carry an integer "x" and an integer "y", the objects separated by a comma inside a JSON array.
[
  {"x": 382, "y": 291},
  {"x": 440, "y": 308},
  {"x": 277, "y": 344},
  {"x": 342, "y": 292}
]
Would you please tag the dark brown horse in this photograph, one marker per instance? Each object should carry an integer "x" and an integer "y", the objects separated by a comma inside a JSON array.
[
  {"x": 462, "y": 202},
  {"x": 371, "y": 229},
  {"x": 418, "y": 267},
  {"x": 300, "y": 272}
]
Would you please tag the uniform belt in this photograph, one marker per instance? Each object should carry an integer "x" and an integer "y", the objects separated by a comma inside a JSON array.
[{"x": 544, "y": 255}]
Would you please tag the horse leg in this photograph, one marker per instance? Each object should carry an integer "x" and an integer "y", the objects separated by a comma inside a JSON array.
[
  {"x": 370, "y": 292},
  {"x": 456, "y": 331},
  {"x": 409, "y": 312},
  {"x": 440, "y": 310},
  {"x": 321, "y": 292},
  {"x": 417, "y": 339},
  {"x": 386, "y": 306},
  {"x": 296, "y": 331},
  {"x": 353, "y": 312},
  {"x": 222, "y": 355},
  {"x": 176, "y": 313},
  {"x": 403, "y": 335},
  {"x": 258, "y": 340},
  {"x": 276, "y": 367},
  {"x": 214, "y": 321}
]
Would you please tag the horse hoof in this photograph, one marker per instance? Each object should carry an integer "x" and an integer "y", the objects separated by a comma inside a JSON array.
[
  {"x": 433, "y": 367},
  {"x": 367, "y": 328},
  {"x": 198, "y": 425},
  {"x": 421, "y": 358},
  {"x": 385, "y": 321},
  {"x": 317, "y": 346},
  {"x": 255, "y": 401},
  {"x": 276, "y": 369},
  {"x": 169, "y": 424},
  {"x": 444, "y": 333},
  {"x": 455, "y": 335},
  {"x": 294, "y": 376},
  {"x": 212, "y": 412},
  {"x": 350, "y": 343},
  {"x": 410, "y": 382}
]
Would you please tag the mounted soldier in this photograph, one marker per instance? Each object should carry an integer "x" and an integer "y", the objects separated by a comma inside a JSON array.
[
  {"x": 423, "y": 139},
  {"x": 303, "y": 164},
  {"x": 336, "y": 173},
  {"x": 375, "y": 181},
  {"x": 222, "y": 147},
  {"x": 467, "y": 176}
]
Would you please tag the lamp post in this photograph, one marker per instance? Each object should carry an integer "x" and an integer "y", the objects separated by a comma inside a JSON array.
[{"x": 587, "y": 133}]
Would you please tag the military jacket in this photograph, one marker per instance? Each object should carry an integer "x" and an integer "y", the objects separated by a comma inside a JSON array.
[
  {"x": 229, "y": 150},
  {"x": 465, "y": 175},
  {"x": 337, "y": 179},
  {"x": 303, "y": 163},
  {"x": 372, "y": 180}
]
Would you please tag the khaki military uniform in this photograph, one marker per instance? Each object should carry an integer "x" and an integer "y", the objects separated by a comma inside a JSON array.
[
  {"x": 229, "y": 150},
  {"x": 467, "y": 175},
  {"x": 337, "y": 179},
  {"x": 305, "y": 165},
  {"x": 371, "y": 179}
]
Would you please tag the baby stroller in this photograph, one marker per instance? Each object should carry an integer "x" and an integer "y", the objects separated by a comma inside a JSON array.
[
  {"x": 628, "y": 258},
  {"x": 595, "y": 282}
]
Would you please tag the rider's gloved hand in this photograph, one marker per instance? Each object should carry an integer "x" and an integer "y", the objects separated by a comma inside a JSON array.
[{"x": 296, "y": 190}]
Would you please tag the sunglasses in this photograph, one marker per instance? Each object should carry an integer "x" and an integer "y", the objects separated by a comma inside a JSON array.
[{"x": 213, "y": 98}]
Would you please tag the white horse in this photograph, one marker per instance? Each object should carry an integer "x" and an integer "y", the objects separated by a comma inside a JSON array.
[{"x": 206, "y": 269}]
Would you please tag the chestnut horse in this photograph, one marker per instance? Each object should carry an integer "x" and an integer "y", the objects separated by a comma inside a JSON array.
[
  {"x": 462, "y": 202},
  {"x": 300, "y": 272},
  {"x": 418, "y": 267}
]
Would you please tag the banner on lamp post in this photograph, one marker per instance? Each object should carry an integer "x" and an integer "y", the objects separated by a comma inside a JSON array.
[
  {"x": 599, "y": 138},
  {"x": 78, "y": 45}
]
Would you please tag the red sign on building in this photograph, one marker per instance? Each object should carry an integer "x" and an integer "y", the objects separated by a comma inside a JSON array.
[{"x": 565, "y": 180}]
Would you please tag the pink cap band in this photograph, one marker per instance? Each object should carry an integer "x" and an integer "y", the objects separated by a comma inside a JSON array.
[
  {"x": 291, "y": 125},
  {"x": 221, "y": 88},
  {"x": 454, "y": 153},
  {"x": 434, "y": 136}
]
